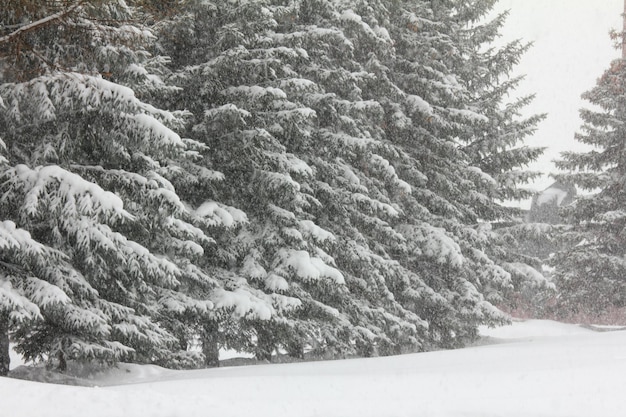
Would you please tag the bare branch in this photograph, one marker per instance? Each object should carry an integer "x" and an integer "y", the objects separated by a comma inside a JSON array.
[{"x": 41, "y": 22}]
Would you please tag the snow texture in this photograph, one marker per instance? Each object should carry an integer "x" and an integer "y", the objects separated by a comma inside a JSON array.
[
  {"x": 221, "y": 215},
  {"x": 531, "y": 369},
  {"x": 243, "y": 302},
  {"x": 308, "y": 267},
  {"x": 71, "y": 186}
]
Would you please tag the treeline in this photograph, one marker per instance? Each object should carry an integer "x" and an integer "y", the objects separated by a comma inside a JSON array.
[{"x": 309, "y": 176}]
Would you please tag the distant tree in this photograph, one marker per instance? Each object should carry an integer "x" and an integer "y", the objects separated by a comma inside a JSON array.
[{"x": 590, "y": 274}]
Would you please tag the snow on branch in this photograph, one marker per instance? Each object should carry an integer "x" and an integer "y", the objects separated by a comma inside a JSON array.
[
  {"x": 308, "y": 267},
  {"x": 12, "y": 237},
  {"x": 244, "y": 303},
  {"x": 20, "y": 307},
  {"x": 316, "y": 232},
  {"x": 55, "y": 95},
  {"x": 71, "y": 187},
  {"x": 179, "y": 303},
  {"x": 256, "y": 92},
  {"x": 434, "y": 242},
  {"x": 216, "y": 214},
  {"x": 532, "y": 277},
  {"x": 43, "y": 293}
]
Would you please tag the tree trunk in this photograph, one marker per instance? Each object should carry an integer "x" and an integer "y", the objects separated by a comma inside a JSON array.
[
  {"x": 265, "y": 345},
  {"x": 210, "y": 345},
  {"x": 295, "y": 349},
  {"x": 62, "y": 362},
  {"x": 365, "y": 349},
  {"x": 5, "y": 358}
]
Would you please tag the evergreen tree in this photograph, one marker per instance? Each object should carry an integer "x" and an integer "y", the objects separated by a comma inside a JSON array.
[
  {"x": 236, "y": 83},
  {"x": 496, "y": 148},
  {"x": 590, "y": 274},
  {"x": 89, "y": 172}
]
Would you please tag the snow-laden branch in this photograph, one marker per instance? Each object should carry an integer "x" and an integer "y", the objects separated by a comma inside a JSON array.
[{"x": 41, "y": 22}]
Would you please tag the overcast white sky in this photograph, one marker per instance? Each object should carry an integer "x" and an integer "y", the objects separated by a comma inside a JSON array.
[{"x": 571, "y": 50}]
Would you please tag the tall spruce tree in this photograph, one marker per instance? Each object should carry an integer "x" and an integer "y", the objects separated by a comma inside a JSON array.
[
  {"x": 590, "y": 274},
  {"x": 497, "y": 147},
  {"x": 236, "y": 83},
  {"x": 62, "y": 121},
  {"x": 429, "y": 111},
  {"x": 90, "y": 175}
]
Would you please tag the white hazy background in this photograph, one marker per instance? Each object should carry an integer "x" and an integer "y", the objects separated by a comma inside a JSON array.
[{"x": 571, "y": 50}]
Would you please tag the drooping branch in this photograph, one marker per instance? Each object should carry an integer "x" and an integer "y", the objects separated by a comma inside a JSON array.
[{"x": 48, "y": 20}]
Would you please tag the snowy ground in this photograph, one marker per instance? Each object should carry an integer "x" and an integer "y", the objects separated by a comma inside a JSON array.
[{"x": 533, "y": 368}]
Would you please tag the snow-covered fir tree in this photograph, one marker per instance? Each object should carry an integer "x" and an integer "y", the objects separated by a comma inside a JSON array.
[
  {"x": 421, "y": 90},
  {"x": 497, "y": 147},
  {"x": 90, "y": 173},
  {"x": 590, "y": 274},
  {"x": 237, "y": 85}
]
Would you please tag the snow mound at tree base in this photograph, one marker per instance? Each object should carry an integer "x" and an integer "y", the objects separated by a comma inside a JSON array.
[
  {"x": 41, "y": 374},
  {"x": 603, "y": 328},
  {"x": 528, "y": 329},
  {"x": 537, "y": 369}
]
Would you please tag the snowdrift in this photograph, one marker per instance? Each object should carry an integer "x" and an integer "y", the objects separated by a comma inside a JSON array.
[{"x": 533, "y": 368}]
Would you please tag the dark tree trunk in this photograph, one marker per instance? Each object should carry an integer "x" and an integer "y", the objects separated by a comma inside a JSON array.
[
  {"x": 210, "y": 344},
  {"x": 5, "y": 358},
  {"x": 365, "y": 349},
  {"x": 62, "y": 362},
  {"x": 295, "y": 349},
  {"x": 265, "y": 345}
]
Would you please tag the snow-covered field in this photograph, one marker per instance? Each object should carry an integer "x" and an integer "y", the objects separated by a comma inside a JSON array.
[{"x": 533, "y": 368}]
